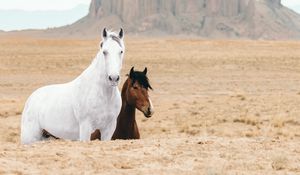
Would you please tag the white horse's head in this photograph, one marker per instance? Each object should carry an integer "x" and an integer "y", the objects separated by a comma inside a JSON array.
[{"x": 112, "y": 50}]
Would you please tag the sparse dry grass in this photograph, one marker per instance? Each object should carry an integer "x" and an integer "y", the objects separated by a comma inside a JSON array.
[
  {"x": 221, "y": 107},
  {"x": 280, "y": 162}
]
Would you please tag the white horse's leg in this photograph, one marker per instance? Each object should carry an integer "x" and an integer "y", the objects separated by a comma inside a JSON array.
[
  {"x": 107, "y": 133},
  {"x": 30, "y": 131},
  {"x": 85, "y": 131}
]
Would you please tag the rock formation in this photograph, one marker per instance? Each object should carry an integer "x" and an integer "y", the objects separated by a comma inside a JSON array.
[{"x": 255, "y": 19}]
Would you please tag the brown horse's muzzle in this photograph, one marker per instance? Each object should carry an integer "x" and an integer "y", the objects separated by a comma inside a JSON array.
[{"x": 148, "y": 111}]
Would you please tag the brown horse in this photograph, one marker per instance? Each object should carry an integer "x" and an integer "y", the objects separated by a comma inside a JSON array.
[{"x": 134, "y": 96}]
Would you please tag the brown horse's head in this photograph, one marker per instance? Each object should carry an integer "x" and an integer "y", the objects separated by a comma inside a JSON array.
[{"x": 137, "y": 92}]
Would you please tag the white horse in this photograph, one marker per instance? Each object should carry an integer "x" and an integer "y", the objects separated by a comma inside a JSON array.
[{"x": 76, "y": 109}]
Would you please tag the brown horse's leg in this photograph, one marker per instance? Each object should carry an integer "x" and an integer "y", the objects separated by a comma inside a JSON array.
[
  {"x": 96, "y": 135},
  {"x": 46, "y": 134}
]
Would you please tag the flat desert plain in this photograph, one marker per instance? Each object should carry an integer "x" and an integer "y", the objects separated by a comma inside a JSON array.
[{"x": 221, "y": 107}]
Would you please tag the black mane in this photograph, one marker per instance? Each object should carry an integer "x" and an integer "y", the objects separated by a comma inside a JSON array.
[{"x": 141, "y": 78}]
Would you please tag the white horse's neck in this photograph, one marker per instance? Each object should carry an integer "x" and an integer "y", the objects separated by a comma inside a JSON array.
[{"x": 94, "y": 77}]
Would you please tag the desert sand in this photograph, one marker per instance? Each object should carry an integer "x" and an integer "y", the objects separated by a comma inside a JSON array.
[{"x": 221, "y": 107}]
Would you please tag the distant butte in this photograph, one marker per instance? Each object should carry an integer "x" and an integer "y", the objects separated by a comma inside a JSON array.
[{"x": 248, "y": 19}]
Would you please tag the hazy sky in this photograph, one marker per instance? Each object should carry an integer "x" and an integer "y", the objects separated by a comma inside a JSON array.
[
  {"x": 41, "y": 5},
  {"x": 13, "y": 17},
  {"x": 292, "y": 4}
]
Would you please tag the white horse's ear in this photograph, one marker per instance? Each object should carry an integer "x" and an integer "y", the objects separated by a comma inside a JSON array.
[
  {"x": 121, "y": 33},
  {"x": 104, "y": 33}
]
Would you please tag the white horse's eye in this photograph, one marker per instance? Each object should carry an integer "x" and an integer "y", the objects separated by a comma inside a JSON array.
[
  {"x": 121, "y": 52},
  {"x": 105, "y": 53}
]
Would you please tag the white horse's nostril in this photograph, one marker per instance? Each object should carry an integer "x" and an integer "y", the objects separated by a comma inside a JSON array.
[{"x": 114, "y": 78}]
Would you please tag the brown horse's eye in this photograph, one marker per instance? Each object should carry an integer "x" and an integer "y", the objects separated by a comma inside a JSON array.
[{"x": 135, "y": 87}]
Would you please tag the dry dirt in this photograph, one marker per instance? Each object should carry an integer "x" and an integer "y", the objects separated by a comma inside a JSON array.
[{"x": 221, "y": 107}]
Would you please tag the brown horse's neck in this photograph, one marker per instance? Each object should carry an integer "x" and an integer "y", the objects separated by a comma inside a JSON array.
[
  {"x": 126, "y": 124},
  {"x": 127, "y": 111}
]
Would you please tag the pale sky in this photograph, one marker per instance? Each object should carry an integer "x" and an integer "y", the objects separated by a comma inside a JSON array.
[
  {"x": 293, "y": 4},
  {"x": 41, "y": 5}
]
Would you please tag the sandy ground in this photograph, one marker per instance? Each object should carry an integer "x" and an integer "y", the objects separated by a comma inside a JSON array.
[{"x": 221, "y": 107}]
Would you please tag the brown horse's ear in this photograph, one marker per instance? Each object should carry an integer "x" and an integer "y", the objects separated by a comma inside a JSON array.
[
  {"x": 131, "y": 73},
  {"x": 145, "y": 71}
]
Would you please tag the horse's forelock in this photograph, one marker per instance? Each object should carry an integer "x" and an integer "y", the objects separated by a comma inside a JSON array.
[
  {"x": 142, "y": 79},
  {"x": 114, "y": 37}
]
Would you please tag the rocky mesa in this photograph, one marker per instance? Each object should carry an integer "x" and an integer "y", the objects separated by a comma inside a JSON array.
[{"x": 254, "y": 19}]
